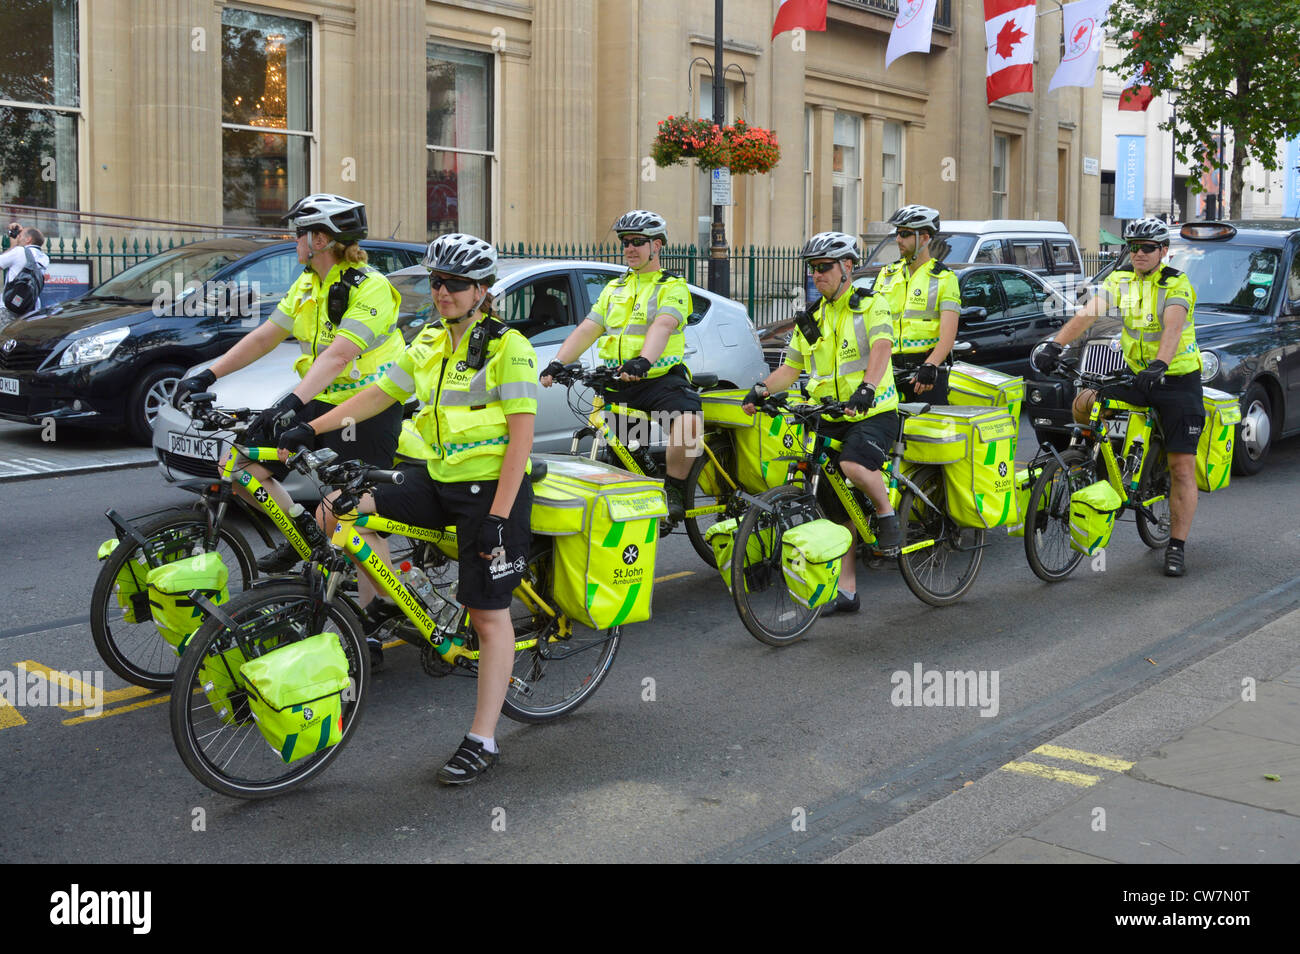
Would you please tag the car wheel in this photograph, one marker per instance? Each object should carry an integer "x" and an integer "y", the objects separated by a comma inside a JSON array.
[
  {"x": 150, "y": 393},
  {"x": 1255, "y": 433}
]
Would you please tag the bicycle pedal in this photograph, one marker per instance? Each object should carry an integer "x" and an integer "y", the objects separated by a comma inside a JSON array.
[
  {"x": 432, "y": 663},
  {"x": 376, "y": 652}
]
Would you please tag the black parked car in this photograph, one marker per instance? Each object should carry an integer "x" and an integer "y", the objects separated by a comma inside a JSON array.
[
  {"x": 1247, "y": 281},
  {"x": 114, "y": 355},
  {"x": 1006, "y": 311}
]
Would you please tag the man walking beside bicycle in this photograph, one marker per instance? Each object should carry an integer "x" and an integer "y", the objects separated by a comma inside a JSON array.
[
  {"x": 845, "y": 345},
  {"x": 639, "y": 320},
  {"x": 1156, "y": 303}
]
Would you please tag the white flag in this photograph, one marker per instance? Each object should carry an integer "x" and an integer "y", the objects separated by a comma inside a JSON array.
[
  {"x": 1084, "y": 33},
  {"x": 912, "y": 29}
]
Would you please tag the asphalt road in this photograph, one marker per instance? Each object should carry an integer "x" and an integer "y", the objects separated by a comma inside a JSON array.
[{"x": 736, "y": 740}]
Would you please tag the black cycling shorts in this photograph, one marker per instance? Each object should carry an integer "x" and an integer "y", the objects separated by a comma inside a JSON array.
[
  {"x": 670, "y": 392},
  {"x": 419, "y": 500},
  {"x": 867, "y": 443},
  {"x": 1178, "y": 401},
  {"x": 904, "y": 365}
]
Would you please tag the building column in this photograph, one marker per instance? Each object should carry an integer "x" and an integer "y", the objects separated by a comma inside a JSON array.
[
  {"x": 175, "y": 113},
  {"x": 873, "y": 209},
  {"x": 563, "y": 155},
  {"x": 822, "y": 158},
  {"x": 390, "y": 103}
]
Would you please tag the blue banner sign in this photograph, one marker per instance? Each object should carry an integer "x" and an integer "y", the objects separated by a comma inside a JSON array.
[
  {"x": 1291, "y": 205},
  {"x": 1130, "y": 177}
]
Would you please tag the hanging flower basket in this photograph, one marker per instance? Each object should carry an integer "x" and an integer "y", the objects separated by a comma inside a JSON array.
[{"x": 741, "y": 148}]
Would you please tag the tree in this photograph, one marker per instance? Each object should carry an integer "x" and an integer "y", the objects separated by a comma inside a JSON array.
[{"x": 1229, "y": 65}]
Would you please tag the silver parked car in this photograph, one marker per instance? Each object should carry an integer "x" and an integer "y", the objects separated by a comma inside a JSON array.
[{"x": 543, "y": 299}]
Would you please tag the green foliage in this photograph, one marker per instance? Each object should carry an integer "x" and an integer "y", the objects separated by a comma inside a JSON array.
[{"x": 1233, "y": 65}]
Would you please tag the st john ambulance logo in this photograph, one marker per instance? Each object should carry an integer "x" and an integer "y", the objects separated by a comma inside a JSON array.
[
  {"x": 788, "y": 441},
  {"x": 261, "y": 494},
  {"x": 1002, "y": 469},
  {"x": 462, "y": 366},
  {"x": 630, "y": 554}
]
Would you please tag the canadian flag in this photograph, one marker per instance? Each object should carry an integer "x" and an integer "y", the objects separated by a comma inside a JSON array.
[
  {"x": 800, "y": 14},
  {"x": 1009, "y": 30},
  {"x": 1136, "y": 96}
]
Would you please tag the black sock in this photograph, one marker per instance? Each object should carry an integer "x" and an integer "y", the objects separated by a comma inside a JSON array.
[
  {"x": 1176, "y": 544},
  {"x": 678, "y": 482}
]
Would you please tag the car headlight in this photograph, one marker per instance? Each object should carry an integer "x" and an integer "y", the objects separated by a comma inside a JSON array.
[
  {"x": 1209, "y": 366},
  {"x": 93, "y": 347}
]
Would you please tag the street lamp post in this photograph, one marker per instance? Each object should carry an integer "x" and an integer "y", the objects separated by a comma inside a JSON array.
[{"x": 719, "y": 263}]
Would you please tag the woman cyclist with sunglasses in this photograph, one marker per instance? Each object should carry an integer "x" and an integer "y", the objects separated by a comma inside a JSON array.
[{"x": 477, "y": 380}]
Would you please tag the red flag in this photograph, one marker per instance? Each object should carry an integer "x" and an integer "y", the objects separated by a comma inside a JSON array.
[
  {"x": 1136, "y": 96},
  {"x": 1009, "y": 30},
  {"x": 795, "y": 14}
]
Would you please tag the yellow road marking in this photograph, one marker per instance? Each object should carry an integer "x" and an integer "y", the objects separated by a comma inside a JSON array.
[
  {"x": 71, "y": 684},
  {"x": 1084, "y": 758},
  {"x": 77, "y": 720},
  {"x": 674, "y": 576},
  {"x": 9, "y": 716},
  {"x": 1055, "y": 775}
]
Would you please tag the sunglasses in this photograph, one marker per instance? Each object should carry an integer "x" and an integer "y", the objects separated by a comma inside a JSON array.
[
  {"x": 905, "y": 233},
  {"x": 1147, "y": 247},
  {"x": 453, "y": 285},
  {"x": 822, "y": 268},
  {"x": 634, "y": 240}
]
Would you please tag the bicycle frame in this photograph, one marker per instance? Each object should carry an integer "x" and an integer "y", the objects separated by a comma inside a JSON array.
[{"x": 1140, "y": 424}]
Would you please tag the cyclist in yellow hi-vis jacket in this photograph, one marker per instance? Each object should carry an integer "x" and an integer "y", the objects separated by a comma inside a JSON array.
[
  {"x": 926, "y": 302},
  {"x": 1157, "y": 304},
  {"x": 478, "y": 381},
  {"x": 639, "y": 320},
  {"x": 845, "y": 347},
  {"x": 344, "y": 315}
]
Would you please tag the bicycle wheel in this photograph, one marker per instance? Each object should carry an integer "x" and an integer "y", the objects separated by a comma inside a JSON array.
[
  {"x": 125, "y": 636},
  {"x": 939, "y": 574},
  {"x": 1155, "y": 530},
  {"x": 1047, "y": 524},
  {"x": 560, "y": 673},
  {"x": 758, "y": 584},
  {"x": 213, "y": 730},
  {"x": 697, "y": 496}
]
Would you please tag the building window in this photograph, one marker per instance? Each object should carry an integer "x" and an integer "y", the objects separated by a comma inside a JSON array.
[
  {"x": 40, "y": 106},
  {"x": 891, "y": 168},
  {"x": 459, "y": 130},
  {"x": 266, "y": 127},
  {"x": 1001, "y": 162},
  {"x": 1108, "y": 193},
  {"x": 846, "y": 174}
]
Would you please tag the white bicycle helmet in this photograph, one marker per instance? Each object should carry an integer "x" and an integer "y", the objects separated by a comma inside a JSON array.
[
  {"x": 343, "y": 218},
  {"x": 464, "y": 255},
  {"x": 1147, "y": 230},
  {"x": 916, "y": 217},
  {"x": 641, "y": 222},
  {"x": 835, "y": 245}
]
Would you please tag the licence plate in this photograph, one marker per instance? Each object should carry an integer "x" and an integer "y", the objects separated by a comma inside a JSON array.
[
  {"x": 8, "y": 385},
  {"x": 188, "y": 446}
]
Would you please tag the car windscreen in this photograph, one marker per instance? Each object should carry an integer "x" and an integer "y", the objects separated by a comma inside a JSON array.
[
  {"x": 956, "y": 247},
  {"x": 167, "y": 275},
  {"x": 1232, "y": 277}
]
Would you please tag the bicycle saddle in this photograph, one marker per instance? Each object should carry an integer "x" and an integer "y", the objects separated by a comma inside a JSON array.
[
  {"x": 911, "y": 410},
  {"x": 538, "y": 472},
  {"x": 703, "y": 382}
]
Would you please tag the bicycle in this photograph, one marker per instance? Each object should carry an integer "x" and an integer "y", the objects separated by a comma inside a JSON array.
[
  {"x": 559, "y": 662},
  {"x": 121, "y": 624},
  {"x": 712, "y": 487},
  {"x": 938, "y": 559},
  {"x": 1139, "y": 475}
]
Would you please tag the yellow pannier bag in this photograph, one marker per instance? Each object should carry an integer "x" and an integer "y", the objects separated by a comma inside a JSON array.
[
  {"x": 722, "y": 537},
  {"x": 131, "y": 580},
  {"x": 933, "y": 438},
  {"x": 1025, "y": 480},
  {"x": 723, "y": 408},
  {"x": 971, "y": 385},
  {"x": 981, "y": 485},
  {"x": 1214, "y": 451},
  {"x": 757, "y": 439},
  {"x": 174, "y": 613},
  {"x": 218, "y": 677},
  {"x": 606, "y": 527},
  {"x": 810, "y": 560},
  {"x": 1092, "y": 516},
  {"x": 295, "y": 694}
]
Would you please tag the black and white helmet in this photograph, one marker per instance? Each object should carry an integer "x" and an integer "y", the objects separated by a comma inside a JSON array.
[
  {"x": 835, "y": 245},
  {"x": 916, "y": 217},
  {"x": 464, "y": 255},
  {"x": 641, "y": 222},
  {"x": 1147, "y": 230},
  {"x": 343, "y": 218}
]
